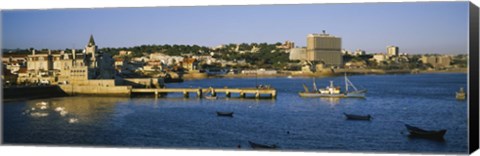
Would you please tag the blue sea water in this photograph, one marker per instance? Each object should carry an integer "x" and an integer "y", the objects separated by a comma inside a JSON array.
[{"x": 289, "y": 121}]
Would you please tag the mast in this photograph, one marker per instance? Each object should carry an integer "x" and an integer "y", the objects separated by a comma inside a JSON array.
[
  {"x": 305, "y": 87},
  {"x": 349, "y": 83},
  {"x": 346, "y": 83},
  {"x": 314, "y": 85},
  {"x": 256, "y": 77}
]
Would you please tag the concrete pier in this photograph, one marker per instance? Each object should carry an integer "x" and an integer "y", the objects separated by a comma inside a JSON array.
[
  {"x": 242, "y": 94},
  {"x": 199, "y": 91}
]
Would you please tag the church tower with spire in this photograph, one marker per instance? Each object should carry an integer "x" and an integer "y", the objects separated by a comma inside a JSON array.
[
  {"x": 91, "y": 53},
  {"x": 91, "y": 48}
]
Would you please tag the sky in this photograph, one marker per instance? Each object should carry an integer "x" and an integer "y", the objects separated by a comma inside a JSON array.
[{"x": 416, "y": 28}]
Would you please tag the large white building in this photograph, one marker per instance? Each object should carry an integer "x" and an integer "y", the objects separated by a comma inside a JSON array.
[
  {"x": 392, "y": 51},
  {"x": 325, "y": 49}
]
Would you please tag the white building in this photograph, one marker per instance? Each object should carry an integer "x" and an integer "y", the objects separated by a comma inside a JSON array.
[
  {"x": 345, "y": 52},
  {"x": 141, "y": 59},
  {"x": 379, "y": 57},
  {"x": 124, "y": 52},
  {"x": 298, "y": 54},
  {"x": 359, "y": 52},
  {"x": 165, "y": 59},
  {"x": 324, "y": 48},
  {"x": 218, "y": 47},
  {"x": 392, "y": 51},
  {"x": 208, "y": 59},
  {"x": 440, "y": 61}
]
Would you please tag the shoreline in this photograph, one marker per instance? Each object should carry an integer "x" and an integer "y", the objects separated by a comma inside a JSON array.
[
  {"x": 426, "y": 72},
  {"x": 330, "y": 74},
  {"x": 20, "y": 93}
]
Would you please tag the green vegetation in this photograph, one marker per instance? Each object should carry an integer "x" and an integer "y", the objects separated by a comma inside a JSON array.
[
  {"x": 173, "y": 50},
  {"x": 264, "y": 55}
]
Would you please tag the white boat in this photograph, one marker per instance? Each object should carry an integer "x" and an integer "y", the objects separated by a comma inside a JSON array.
[
  {"x": 211, "y": 97},
  {"x": 334, "y": 91},
  {"x": 460, "y": 95}
]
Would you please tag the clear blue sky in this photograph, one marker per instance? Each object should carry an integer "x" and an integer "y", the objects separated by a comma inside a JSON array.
[{"x": 426, "y": 27}]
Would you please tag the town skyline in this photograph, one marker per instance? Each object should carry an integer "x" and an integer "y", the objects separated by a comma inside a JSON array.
[{"x": 67, "y": 28}]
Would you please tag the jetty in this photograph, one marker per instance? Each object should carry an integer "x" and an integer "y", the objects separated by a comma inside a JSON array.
[{"x": 242, "y": 92}]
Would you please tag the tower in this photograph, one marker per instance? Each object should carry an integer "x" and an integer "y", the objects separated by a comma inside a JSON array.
[
  {"x": 324, "y": 48},
  {"x": 90, "y": 50},
  {"x": 392, "y": 51}
]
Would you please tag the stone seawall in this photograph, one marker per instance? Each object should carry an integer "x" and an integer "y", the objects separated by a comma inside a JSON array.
[
  {"x": 23, "y": 93},
  {"x": 97, "y": 90},
  {"x": 372, "y": 71}
]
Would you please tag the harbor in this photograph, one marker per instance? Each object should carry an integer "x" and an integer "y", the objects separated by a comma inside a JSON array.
[
  {"x": 303, "y": 77},
  {"x": 289, "y": 121}
]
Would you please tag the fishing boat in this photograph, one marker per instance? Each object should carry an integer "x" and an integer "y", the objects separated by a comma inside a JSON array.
[
  {"x": 229, "y": 114},
  {"x": 334, "y": 91},
  {"x": 460, "y": 95},
  {"x": 430, "y": 134},
  {"x": 261, "y": 146},
  {"x": 210, "y": 97},
  {"x": 357, "y": 117}
]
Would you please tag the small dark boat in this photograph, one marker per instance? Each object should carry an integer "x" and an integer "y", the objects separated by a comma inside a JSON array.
[
  {"x": 260, "y": 146},
  {"x": 229, "y": 114},
  {"x": 430, "y": 134},
  {"x": 357, "y": 117}
]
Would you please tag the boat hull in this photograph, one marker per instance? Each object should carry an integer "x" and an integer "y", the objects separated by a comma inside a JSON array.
[
  {"x": 460, "y": 96},
  {"x": 311, "y": 94},
  {"x": 227, "y": 114},
  {"x": 417, "y": 132},
  {"x": 211, "y": 97},
  {"x": 341, "y": 95},
  {"x": 261, "y": 147},
  {"x": 357, "y": 117}
]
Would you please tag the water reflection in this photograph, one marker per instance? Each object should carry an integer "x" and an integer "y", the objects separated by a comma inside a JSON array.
[
  {"x": 72, "y": 109},
  {"x": 331, "y": 101}
]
